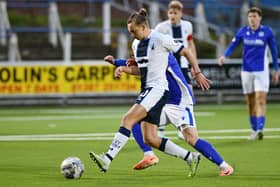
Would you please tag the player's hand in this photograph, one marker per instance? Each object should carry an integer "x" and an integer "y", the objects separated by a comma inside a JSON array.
[
  {"x": 131, "y": 62},
  {"x": 202, "y": 81},
  {"x": 221, "y": 60},
  {"x": 118, "y": 72},
  {"x": 110, "y": 59},
  {"x": 275, "y": 78}
]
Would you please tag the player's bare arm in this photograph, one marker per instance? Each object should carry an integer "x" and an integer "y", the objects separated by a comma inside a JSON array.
[
  {"x": 221, "y": 60},
  {"x": 201, "y": 80},
  {"x": 275, "y": 77},
  {"x": 132, "y": 70}
]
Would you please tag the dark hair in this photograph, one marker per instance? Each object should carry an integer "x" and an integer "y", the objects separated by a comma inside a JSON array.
[
  {"x": 255, "y": 10},
  {"x": 140, "y": 17}
]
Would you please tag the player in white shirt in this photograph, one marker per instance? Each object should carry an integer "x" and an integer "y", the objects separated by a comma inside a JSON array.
[
  {"x": 182, "y": 32},
  {"x": 178, "y": 111},
  {"x": 151, "y": 51}
]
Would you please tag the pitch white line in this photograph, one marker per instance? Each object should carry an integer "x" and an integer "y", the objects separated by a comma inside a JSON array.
[
  {"x": 109, "y": 136},
  {"x": 227, "y": 131},
  {"x": 47, "y": 118},
  {"x": 78, "y": 117}
]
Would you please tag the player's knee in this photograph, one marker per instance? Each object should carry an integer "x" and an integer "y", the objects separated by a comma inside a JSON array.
[
  {"x": 190, "y": 138},
  {"x": 127, "y": 122}
]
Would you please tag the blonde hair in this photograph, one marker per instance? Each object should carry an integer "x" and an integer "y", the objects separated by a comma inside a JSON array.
[{"x": 175, "y": 5}]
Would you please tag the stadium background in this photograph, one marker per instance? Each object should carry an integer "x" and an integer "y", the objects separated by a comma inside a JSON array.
[{"x": 51, "y": 51}]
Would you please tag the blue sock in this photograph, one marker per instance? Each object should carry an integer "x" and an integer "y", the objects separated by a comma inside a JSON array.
[
  {"x": 260, "y": 122},
  {"x": 137, "y": 133},
  {"x": 208, "y": 151},
  {"x": 253, "y": 122}
]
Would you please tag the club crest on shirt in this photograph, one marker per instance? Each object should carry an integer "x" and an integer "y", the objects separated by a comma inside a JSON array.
[{"x": 261, "y": 34}]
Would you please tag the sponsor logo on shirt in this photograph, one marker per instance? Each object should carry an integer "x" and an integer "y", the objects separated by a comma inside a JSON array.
[{"x": 253, "y": 42}]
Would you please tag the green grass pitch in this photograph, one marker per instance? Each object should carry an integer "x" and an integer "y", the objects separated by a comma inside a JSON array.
[{"x": 34, "y": 141}]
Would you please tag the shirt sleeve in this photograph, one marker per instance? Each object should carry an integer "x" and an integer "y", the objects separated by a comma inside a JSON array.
[
  {"x": 120, "y": 62},
  {"x": 190, "y": 36},
  {"x": 170, "y": 45},
  {"x": 157, "y": 28},
  {"x": 234, "y": 43},
  {"x": 273, "y": 49}
]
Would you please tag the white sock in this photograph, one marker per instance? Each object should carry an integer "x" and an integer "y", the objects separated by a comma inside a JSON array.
[
  {"x": 177, "y": 151},
  {"x": 223, "y": 165},
  {"x": 117, "y": 144},
  {"x": 149, "y": 153}
]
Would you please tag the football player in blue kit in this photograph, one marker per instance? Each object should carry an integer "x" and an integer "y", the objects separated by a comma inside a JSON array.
[
  {"x": 178, "y": 111},
  {"x": 256, "y": 39}
]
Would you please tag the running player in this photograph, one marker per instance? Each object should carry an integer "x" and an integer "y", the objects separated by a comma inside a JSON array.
[
  {"x": 178, "y": 111},
  {"x": 256, "y": 39},
  {"x": 151, "y": 51}
]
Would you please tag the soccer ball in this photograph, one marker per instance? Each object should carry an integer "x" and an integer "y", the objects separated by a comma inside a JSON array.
[{"x": 72, "y": 168}]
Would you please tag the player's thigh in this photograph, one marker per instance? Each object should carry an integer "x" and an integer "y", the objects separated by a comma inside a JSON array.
[
  {"x": 179, "y": 115},
  {"x": 150, "y": 136},
  {"x": 148, "y": 129},
  {"x": 247, "y": 80},
  {"x": 261, "y": 81},
  {"x": 133, "y": 115}
]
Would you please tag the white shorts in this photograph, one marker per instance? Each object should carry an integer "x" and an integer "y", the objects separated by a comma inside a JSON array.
[
  {"x": 254, "y": 81},
  {"x": 177, "y": 116}
]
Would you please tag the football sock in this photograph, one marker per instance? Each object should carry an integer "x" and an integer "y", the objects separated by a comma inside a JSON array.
[
  {"x": 150, "y": 153},
  {"x": 137, "y": 134},
  {"x": 118, "y": 142},
  {"x": 223, "y": 165},
  {"x": 208, "y": 151},
  {"x": 260, "y": 122},
  {"x": 171, "y": 148},
  {"x": 253, "y": 122}
]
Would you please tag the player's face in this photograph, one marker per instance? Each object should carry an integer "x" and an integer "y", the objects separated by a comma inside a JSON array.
[
  {"x": 136, "y": 31},
  {"x": 254, "y": 20},
  {"x": 174, "y": 15}
]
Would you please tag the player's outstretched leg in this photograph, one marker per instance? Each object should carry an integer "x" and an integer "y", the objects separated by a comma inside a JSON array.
[
  {"x": 147, "y": 161},
  {"x": 101, "y": 161},
  {"x": 150, "y": 159},
  {"x": 210, "y": 153},
  {"x": 192, "y": 158},
  {"x": 193, "y": 164},
  {"x": 226, "y": 171}
]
